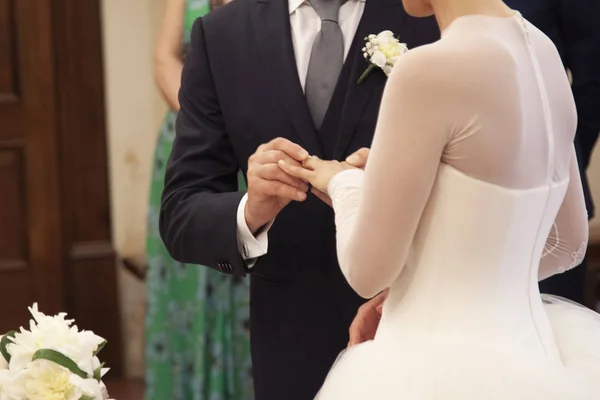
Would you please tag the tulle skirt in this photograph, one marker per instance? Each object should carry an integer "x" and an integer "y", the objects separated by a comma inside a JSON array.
[{"x": 427, "y": 370}]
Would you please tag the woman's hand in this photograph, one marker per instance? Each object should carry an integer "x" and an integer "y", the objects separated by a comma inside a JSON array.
[{"x": 315, "y": 171}]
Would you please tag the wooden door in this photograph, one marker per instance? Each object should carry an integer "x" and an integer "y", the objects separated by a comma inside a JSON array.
[
  {"x": 30, "y": 232},
  {"x": 55, "y": 231}
]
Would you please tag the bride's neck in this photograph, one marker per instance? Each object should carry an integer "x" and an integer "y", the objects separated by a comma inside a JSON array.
[{"x": 447, "y": 11}]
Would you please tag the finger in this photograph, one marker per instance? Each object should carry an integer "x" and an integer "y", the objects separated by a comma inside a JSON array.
[
  {"x": 290, "y": 148},
  {"x": 312, "y": 162},
  {"x": 355, "y": 329},
  {"x": 354, "y": 337},
  {"x": 380, "y": 308},
  {"x": 298, "y": 172},
  {"x": 359, "y": 158},
  {"x": 273, "y": 157},
  {"x": 273, "y": 172},
  {"x": 275, "y": 188}
]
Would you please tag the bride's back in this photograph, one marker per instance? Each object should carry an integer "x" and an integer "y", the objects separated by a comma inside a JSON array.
[
  {"x": 481, "y": 236},
  {"x": 500, "y": 135}
]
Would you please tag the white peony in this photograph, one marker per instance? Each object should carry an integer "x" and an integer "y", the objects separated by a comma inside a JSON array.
[
  {"x": 7, "y": 386},
  {"x": 54, "y": 333},
  {"x": 45, "y": 380}
]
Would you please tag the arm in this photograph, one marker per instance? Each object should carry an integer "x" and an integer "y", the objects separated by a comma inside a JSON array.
[
  {"x": 566, "y": 244},
  {"x": 374, "y": 232},
  {"x": 200, "y": 200},
  {"x": 167, "y": 55}
]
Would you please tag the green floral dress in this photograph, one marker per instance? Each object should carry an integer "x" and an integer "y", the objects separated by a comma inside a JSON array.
[{"x": 197, "y": 330}]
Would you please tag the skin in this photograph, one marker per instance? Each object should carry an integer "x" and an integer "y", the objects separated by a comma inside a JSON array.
[
  {"x": 168, "y": 61},
  {"x": 271, "y": 188}
]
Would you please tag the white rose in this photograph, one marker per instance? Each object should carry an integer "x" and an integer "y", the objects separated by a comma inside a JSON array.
[
  {"x": 379, "y": 59},
  {"x": 385, "y": 36}
]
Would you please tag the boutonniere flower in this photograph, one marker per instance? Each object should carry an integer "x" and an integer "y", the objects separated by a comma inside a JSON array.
[{"x": 382, "y": 51}]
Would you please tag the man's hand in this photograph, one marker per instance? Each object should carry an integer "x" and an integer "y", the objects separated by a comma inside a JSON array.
[
  {"x": 367, "y": 319},
  {"x": 270, "y": 189},
  {"x": 358, "y": 159}
]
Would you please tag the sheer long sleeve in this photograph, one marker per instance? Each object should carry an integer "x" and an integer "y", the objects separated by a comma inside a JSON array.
[
  {"x": 567, "y": 242},
  {"x": 378, "y": 210}
]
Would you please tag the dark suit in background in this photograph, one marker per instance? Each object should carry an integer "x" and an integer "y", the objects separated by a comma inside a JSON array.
[
  {"x": 240, "y": 88},
  {"x": 574, "y": 27}
]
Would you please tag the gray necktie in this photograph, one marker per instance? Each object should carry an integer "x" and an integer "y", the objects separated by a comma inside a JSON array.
[{"x": 326, "y": 59}]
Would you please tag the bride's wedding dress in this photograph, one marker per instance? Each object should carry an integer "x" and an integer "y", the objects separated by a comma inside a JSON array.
[{"x": 471, "y": 195}]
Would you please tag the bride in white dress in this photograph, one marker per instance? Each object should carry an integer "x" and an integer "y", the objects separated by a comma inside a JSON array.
[{"x": 471, "y": 195}]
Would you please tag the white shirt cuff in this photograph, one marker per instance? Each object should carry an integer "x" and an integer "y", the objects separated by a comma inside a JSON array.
[{"x": 250, "y": 247}]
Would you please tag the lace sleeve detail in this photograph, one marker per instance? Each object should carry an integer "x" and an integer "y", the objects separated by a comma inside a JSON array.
[
  {"x": 567, "y": 242},
  {"x": 556, "y": 248}
]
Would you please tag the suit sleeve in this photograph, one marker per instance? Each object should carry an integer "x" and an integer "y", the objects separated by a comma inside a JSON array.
[
  {"x": 581, "y": 36},
  {"x": 198, "y": 218}
]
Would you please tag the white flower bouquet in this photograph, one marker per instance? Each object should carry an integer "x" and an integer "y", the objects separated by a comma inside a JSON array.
[{"x": 53, "y": 360}]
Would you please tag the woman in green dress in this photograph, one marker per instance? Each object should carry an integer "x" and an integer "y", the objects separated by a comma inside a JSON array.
[{"x": 197, "y": 339}]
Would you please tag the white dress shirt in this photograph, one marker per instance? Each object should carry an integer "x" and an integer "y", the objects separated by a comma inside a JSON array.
[{"x": 305, "y": 24}]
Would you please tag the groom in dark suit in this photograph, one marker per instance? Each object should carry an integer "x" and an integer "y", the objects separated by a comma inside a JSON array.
[
  {"x": 266, "y": 80},
  {"x": 573, "y": 27}
]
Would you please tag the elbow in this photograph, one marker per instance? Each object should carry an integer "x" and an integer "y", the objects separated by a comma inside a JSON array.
[
  {"x": 367, "y": 291},
  {"x": 369, "y": 269},
  {"x": 166, "y": 234},
  {"x": 365, "y": 279},
  {"x": 170, "y": 234},
  {"x": 159, "y": 68}
]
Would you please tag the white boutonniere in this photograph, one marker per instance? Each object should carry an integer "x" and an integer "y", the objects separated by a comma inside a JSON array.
[{"x": 382, "y": 51}]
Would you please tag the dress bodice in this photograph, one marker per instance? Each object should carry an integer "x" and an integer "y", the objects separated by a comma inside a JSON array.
[{"x": 473, "y": 264}]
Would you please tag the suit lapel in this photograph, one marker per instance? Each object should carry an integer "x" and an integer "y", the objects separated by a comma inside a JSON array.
[
  {"x": 273, "y": 34},
  {"x": 379, "y": 15}
]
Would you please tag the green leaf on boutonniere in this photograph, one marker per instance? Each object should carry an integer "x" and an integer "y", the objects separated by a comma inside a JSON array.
[
  {"x": 84, "y": 397},
  {"x": 5, "y": 342},
  {"x": 60, "y": 359},
  {"x": 98, "y": 373},
  {"x": 100, "y": 347},
  {"x": 365, "y": 74}
]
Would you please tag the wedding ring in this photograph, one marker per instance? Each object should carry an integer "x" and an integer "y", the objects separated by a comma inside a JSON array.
[{"x": 304, "y": 162}]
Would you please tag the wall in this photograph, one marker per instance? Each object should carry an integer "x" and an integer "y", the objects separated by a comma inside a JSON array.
[{"x": 134, "y": 114}]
